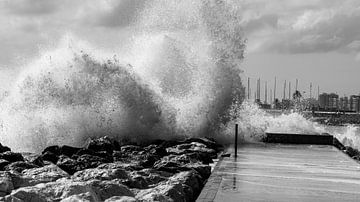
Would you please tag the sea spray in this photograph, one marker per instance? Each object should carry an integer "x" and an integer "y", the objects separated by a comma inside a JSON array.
[{"x": 177, "y": 75}]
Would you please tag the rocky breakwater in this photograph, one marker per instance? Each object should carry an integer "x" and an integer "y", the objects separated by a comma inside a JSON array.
[{"x": 104, "y": 170}]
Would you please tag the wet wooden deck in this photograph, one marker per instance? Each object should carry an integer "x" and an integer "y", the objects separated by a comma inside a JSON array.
[{"x": 284, "y": 172}]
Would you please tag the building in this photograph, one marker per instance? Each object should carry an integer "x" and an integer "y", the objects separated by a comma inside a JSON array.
[
  {"x": 355, "y": 103},
  {"x": 344, "y": 104},
  {"x": 329, "y": 101}
]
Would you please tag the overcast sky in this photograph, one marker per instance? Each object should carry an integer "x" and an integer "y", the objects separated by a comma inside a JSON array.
[{"x": 313, "y": 40}]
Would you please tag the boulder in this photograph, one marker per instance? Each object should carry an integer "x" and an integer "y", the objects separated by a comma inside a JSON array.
[
  {"x": 184, "y": 186},
  {"x": 49, "y": 156},
  {"x": 83, "y": 197},
  {"x": 80, "y": 163},
  {"x": 11, "y": 156},
  {"x": 6, "y": 184},
  {"x": 19, "y": 166},
  {"x": 49, "y": 173},
  {"x": 100, "y": 174},
  {"x": 4, "y": 148},
  {"x": 103, "y": 144},
  {"x": 3, "y": 164},
  {"x": 68, "y": 150},
  {"x": 64, "y": 188},
  {"x": 121, "y": 199}
]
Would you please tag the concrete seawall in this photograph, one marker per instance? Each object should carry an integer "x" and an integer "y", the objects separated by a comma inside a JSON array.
[{"x": 280, "y": 171}]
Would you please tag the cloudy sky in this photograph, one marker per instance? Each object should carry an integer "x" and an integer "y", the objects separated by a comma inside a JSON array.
[{"x": 315, "y": 41}]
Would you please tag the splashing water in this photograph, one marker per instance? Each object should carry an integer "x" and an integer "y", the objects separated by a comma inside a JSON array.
[{"x": 178, "y": 74}]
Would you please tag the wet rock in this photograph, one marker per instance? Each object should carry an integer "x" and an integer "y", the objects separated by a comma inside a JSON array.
[
  {"x": 49, "y": 173},
  {"x": 191, "y": 148},
  {"x": 84, "y": 197},
  {"x": 67, "y": 164},
  {"x": 52, "y": 149},
  {"x": 100, "y": 174},
  {"x": 3, "y": 164},
  {"x": 210, "y": 143},
  {"x": 103, "y": 144},
  {"x": 6, "y": 185},
  {"x": 11, "y": 156},
  {"x": 4, "y": 148},
  {"x": 34, "y": 159},
  {"x": 121, "y": 199},
  {"x": 130, "y": 149},
  {"x": 351, "y": 152},
  {"x": 19, "y": 166},
  {"x": 127, "y": 166},
  {"x": 49, "y": 156},
  {"x": 64, "y": 188},
  {"x": 68, "y": 150},
  {"x": 184, "y": 186},
  {"x": 80, "y": 163},
  {"x": 145, "y": 178}
]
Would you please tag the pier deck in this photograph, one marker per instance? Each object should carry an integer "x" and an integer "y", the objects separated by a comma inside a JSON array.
[{"x": 284, "y": 172}]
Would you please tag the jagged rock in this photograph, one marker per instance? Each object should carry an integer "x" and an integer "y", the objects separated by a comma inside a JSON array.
[
  {"x": 100, "y": 174},
  {"x": 82, "y": 162},
  {"x": 103, "y": 144},
  {"x": 67, "y": 164},
  {"x": 6, "y": 185},
  {"x": 55, "y": 149},
  {"x": 145, "y": 178},
  {"x": 130, "y": 148},
  {"x": 156, "y": 150},
  {"x": 3, "y": 164},
  {"x": 121, "y": 199},
  {"x": 68, "y": 150},
  {"x": 126, "y": 166},
  {"x": 184, "y": 186},
  {"x": 192, "y": 147},
  {"x": 34, "y": 159},
  {"x": 49, "y": 173},
  {"x": 4, "y": 148},
  {"x": 210, "y": 143},
  {"x": 11, "y": 156},
  {"x": 19, "y": 166},
  {"x": 64, "y": 188},
  {"x": 352, "y": 152},
  {"x": 84, "y": 197},
  {"x": 49, "y": 156}
]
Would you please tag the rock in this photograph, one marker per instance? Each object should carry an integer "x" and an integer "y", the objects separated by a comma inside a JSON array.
[
  {"x": 103, "y": 144},
  {"x": 184, "y": 186},
  {"x": 192, "y": 147},
  {"x": 100, "y": 174},
  {"x": 130, "y": 149},
  {"x": 68, "y": 150},
  {"x": 4, "y": 148},
  {"x": 210, "y": 143},
  {"x": 82, "y": 162},
  {"x": 156, "y": 150},
  {"x": 126, "y": 166},
  {"x": 3, "y": 164},
  {"x": 145, "y": 178},
  {"x": 44, "y": 174},
  {"x": 64, "y": 188},
  {"x": 121, "y": 199},
  {"x": 19, "y": 166},
  {"x": 84, "y": 197},
  {"x": 6, "y": 185},
  {"x": 352, "y": 152},
  {"x": 49, "y": 156},
  {"x": 67, "y": 164},
  {"x": 52, "y": 149},
  {"x": 34, "y": 159},
  {"x": 11, "y": 156}
]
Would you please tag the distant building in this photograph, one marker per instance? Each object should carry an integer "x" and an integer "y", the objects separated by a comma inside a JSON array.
[
  {"x": 355, "y": 103},
  {"x": 344, "y": 104},
  {"x": 329, "y": 101}
]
